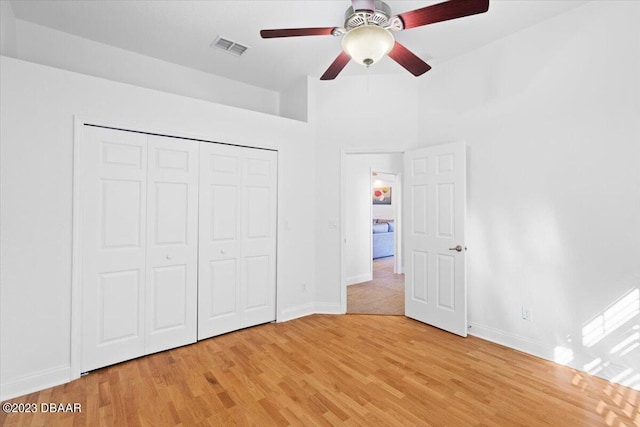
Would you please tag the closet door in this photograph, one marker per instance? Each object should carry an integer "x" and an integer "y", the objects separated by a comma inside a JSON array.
[
  {"x": 237, "y": 256},
  {"x": 172, "y": 243},
  {"x": 219, "y": 240},
  {"x": 259, "y": 208},
  {"x": 113, "y": 183}
]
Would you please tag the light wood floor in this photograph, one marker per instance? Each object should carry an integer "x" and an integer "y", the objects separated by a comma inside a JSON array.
[
  {"x": 339, "y": 370},
  {"x": 382, "y": 295}
]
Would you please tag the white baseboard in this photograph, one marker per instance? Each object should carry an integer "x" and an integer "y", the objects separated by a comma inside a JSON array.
[
  {"x": 547, "y": 352},
  {"x": 35, "y": 382},
  {"x": 367, "y": 277},
  {"x": 507, "y": 339},
  {"x": 296, "y": 312},
  {"x": 307, "y": 310},
  {"x": 328, "y": 308}
]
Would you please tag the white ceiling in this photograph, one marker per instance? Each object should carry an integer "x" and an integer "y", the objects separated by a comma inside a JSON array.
[{"x": 180, "y": 31}]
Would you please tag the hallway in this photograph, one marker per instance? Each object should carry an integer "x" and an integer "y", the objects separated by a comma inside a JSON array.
[{"x": 382, "y": 295}]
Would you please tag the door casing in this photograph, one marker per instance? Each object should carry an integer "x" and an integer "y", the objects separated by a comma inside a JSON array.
[{"x": 343, "y": 216}]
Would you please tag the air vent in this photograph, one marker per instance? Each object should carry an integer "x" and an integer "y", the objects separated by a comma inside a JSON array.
[{"x": 229, "y": 46}]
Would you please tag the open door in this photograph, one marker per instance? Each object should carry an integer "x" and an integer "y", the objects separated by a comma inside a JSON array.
[{"x": 435, "y": 209}]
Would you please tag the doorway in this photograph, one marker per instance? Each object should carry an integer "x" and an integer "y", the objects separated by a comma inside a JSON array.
[
  {"x": 373, "y": 282},
  {"x": 434, "y": 242}
]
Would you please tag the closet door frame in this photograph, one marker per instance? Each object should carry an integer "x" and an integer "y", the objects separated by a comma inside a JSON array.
[{"x": 79, "y": 123}]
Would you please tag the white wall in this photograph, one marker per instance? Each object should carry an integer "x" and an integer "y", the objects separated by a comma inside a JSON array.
[
  {"x": 294, "y": 100},
  {"x": 7, "y": 29},
  {"x": 375, "y": 113},
  {"x": 37, "y": 105},
  {"x": 551, "y": 119},
  {"x": 47, "y": 46},
  {"x": 358, "y": 210}
]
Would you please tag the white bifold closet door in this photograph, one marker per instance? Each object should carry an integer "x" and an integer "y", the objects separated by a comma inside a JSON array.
[
  {"x": 139, "y": 228},
  {"x": 172, "y": 243},
  {"x": 237, "y": 255}
]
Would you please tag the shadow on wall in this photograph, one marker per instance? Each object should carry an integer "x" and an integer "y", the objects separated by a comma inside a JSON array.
[{"x": 516, "y": 257}]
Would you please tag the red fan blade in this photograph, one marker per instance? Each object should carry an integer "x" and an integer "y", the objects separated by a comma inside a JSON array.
[
  {"x": 443, "y": 12},
  {"x": 336, "y": 66},
  {"x": 363, "y": 5},
  {"x": 408, "y": 60},
  {"x": 295, "y": 32}
]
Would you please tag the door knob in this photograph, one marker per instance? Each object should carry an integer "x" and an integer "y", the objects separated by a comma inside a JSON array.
[
  {"x": 168, "y": 257},
  {"x": 457, "y": 248},
  {"x": 222, "y": 251}
]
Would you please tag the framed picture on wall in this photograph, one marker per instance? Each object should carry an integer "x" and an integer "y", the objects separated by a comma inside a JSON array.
[{"x": 381, "y": 196}]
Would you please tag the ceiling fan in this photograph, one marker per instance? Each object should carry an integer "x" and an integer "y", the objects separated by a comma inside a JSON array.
[{"x": 368, "y": 27}]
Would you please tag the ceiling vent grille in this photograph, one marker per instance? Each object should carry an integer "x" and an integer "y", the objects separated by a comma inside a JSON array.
[{"x": 229, "y": 46}]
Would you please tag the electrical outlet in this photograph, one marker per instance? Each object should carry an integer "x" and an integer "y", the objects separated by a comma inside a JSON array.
[
  {"x": 526, "y": 313},
  {"x": 304, "y": 287}
]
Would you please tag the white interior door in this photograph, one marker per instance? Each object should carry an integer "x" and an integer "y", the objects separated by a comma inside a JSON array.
[
  {"x": 219, "y": 240},
  {"x": 172, "y": 243},
  {"x": 258, "y": 267},
  {"x": 435, "y": 273},
  {"x": 237, "y": 277},
  {"x": 113, "y": 182}
]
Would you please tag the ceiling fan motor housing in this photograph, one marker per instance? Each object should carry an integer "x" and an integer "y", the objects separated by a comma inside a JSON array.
[{"x": 380, "y": 16}]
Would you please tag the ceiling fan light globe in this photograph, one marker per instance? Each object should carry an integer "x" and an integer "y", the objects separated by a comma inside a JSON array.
[{"x": 367, "y": 44}]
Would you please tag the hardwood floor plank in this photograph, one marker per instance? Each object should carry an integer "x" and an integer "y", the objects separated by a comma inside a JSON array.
[{"x": 325, "y": 370}]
